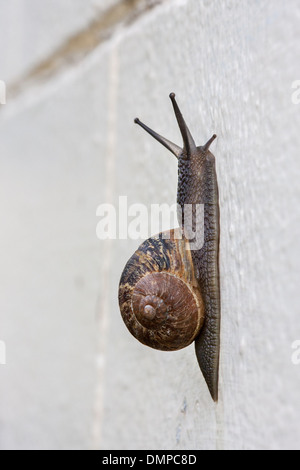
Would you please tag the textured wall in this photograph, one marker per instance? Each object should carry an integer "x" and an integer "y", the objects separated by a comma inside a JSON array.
[{"x": 74, "y": 376}]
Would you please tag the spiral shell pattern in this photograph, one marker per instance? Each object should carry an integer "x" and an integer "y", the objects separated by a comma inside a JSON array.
[{"x": 159, "y": 296}]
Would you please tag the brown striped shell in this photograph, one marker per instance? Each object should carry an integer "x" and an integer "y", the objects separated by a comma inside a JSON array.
[{"x": 159, "y": 296}]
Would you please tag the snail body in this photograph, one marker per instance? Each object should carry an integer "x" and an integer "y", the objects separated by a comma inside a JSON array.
[{"x": 169, "y": 293}]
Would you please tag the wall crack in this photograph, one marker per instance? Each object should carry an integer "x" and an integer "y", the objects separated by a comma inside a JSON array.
[{"x": 82, "y": 43}]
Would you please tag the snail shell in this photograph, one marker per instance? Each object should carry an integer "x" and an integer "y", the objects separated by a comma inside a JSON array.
[{"x": 159, "y": 296}]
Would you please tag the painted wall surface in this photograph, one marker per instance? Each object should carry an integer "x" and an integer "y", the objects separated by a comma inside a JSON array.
[{"x": 74, "y": 378}]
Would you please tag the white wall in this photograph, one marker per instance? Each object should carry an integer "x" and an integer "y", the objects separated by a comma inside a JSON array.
[{"x": 74, "y": 377}]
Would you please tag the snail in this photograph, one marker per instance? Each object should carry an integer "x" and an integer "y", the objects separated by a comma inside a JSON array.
[{"x": 169, "y": 292}]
